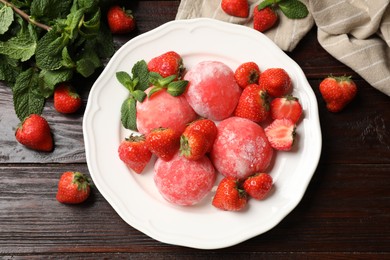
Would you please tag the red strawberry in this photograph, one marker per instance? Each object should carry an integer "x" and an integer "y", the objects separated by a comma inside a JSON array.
[
  {"x": 264, "y": 19},
  {"x": 281, "y": 134},
  {"x": 337, "y": 92},
  {"x": 258, "y": 186},
  {"x": 253, "y": 104},
  {"x": 167, "y": 64},
  {"x": 247, "y": 73},
  {"x": 198, "y": 138},
  {"x": 66, "y": 100},
  {"x": 286, "y": 107},
  {"x": 229, "y": 195},
  {"x": 134, "y": 152},
  {"x": 163, "y": 142},
  {"x": 35, "y": 134},
  {"x": 276, "y": 81},
  {"x": 73, "y": 188},
  {"x": 238, "y": 8},
  {"x": 120, "y": 20}
]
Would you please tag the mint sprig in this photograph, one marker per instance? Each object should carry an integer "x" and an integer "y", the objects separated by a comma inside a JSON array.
[
  {"x": 293, "y": 9},
  {"x": 174, "y": 87},
  {"x": 49, "y": 41}
]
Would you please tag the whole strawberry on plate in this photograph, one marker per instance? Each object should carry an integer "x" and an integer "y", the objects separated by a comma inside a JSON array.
[
  {"x": 276, "y": 82},
  {"x": 73, "y": 188},
  {"x": 163, "y": 142},
  {"x": 238, "y": 8},
  {"x": 247, "y": 73},
  {"x": 253, "y": 104},
  {"x": 34, "y": 133},
  {"x": 167, "y": 64},
  {"x": 230, "y": 196},
  {"x": 337, "y": 92},
  {"x": 120, "y": 20},
  {"x": 66, "y": 99},
  {"x": 258, "y": 186},
  {"x": 134, "y": 152}
]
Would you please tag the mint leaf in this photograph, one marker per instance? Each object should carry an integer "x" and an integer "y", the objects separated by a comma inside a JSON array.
[
  {"x": 266, "y": 3},
  {"x": 67, "y": 61},
  {"x": 139, "y": 95},
  {"x": 25, "y": 96},
  {"x": 87, "y": 62},
  {"x": 140, "y": 71},
  {"x": 6, "y": 18},
  {"x": 176, "y": 88},
  {"x": 103, "y": 42},
  {"x": 293, "y": 9},
  {"x": 9, "y": 69},
  {"x": 49, "y": 50},
  {"x": 22, "y": 46},
  {"x": 50, "y": 78},
  {"x": 46, "y": 10},
  {"x": 125, "y": 79},
  {"x": 129, "y": 114}
]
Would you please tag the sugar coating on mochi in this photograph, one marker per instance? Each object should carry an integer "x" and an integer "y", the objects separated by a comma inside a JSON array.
[
  {"x": 241, "y": 148},
  {"x": 184, "y": 182},
  {"x": 163, "y": 110},
  {"x": 212, "y": 90}
]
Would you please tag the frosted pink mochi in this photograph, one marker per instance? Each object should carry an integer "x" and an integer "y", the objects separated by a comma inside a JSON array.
[
  {"x": 184, "y": 182},
  {"x": 241, "y": 148},
  {"x": 163, "y": 110},
  {"x": 212, "y": 91}
]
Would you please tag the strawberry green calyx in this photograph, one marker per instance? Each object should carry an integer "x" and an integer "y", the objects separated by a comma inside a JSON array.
[
  {"x": 81, "y": 181},
  {"x": 342, "y": 78},
  {"x": 174, "y": 87},
  {"x": 185, "y": 149}
]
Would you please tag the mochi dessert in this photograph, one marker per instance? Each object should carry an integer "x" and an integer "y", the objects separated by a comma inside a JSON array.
[
  {"x": 163, "y": 110},
  {"x": 212, "y": 90},
  {"x": 241, "y": 148},
  {"x": 184, "y": 182}
]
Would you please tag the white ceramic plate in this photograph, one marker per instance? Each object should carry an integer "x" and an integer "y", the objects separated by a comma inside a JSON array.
[{"x": 135, "y": 197}]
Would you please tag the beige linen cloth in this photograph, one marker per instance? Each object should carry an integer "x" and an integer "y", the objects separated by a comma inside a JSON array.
[{"x": 356, "y": 32}]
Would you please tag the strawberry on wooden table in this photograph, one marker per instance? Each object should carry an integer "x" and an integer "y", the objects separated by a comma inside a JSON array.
[
  {"x": 120, "y": 20},
  {"x": 167, "y": 64},
  {"x": 258, "y": 186},
  {"x": 134, "y": 152},
  {"x": 253, "y": 104},
  {"x": 247, "y": 73},
  {"x": 276, "y": 82},
  {"x": 337, "y": 92},
  {"x": 286, "y": 107},
  {"x": 34, "y": 133},
  {"x": 73, "y": 188},
  {"x": 66, "y": 99},
  {"x": 281, "y": 134},
  {"x": 163, "y": 142},
  {"x": 230, "y": 196},
  {"x": 238, "y": 8},
  {"x": 264, "y": 18}
]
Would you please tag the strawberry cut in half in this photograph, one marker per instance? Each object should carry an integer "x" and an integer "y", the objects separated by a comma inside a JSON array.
[
  {"x": 281, "y": 134},
  {"x": 286, "y": 107}
]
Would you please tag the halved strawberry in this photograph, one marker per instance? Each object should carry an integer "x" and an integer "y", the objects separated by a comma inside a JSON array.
[
  {"x": 286, "y": 107},
  {"x": 281, "y": 134}
]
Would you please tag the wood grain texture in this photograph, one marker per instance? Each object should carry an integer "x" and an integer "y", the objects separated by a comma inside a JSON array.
[{"x": 344, "y": 213}]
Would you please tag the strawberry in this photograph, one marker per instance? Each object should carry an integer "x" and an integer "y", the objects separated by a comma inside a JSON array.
[
  {"x": 167, "y": 64},
  {"x": 286, "y": 107},
  {"x": 229, "y": 195},
  {"x": 247, "y": 73},
  {"x": 163, "y": 142},
  {"x": 281, "y": 134},
  {"x": 34, "y": 133},
  {"x": 120, "y": 20},
  {"x": 258, "y": 186},
  {"x": 337, "y": 92},
  {"x": 73, "y": 188},
  {"x": 238, "y": 8},
  {"x": 134, "y": 152},
  {"x": 253, "y": 104},
  {"x": 276, "y": 82},
  {"x": 198, "y": 138},
  {"x": 264, "y": 18},
  {"x": 66, "y": 100}
]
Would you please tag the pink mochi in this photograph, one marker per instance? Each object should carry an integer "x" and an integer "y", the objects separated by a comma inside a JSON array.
[
  {"x": 241, "y": 148},
  {"x": 184, "y": 182},
  {"x": 212, "y": 91},
  {"x": 164, "y": 110}
]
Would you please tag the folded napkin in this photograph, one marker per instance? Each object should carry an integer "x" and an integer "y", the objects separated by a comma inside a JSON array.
[{"x": 356, "y": 32}]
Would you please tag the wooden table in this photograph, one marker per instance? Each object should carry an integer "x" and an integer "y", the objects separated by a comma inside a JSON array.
[{"x": 345, "y": 212}]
